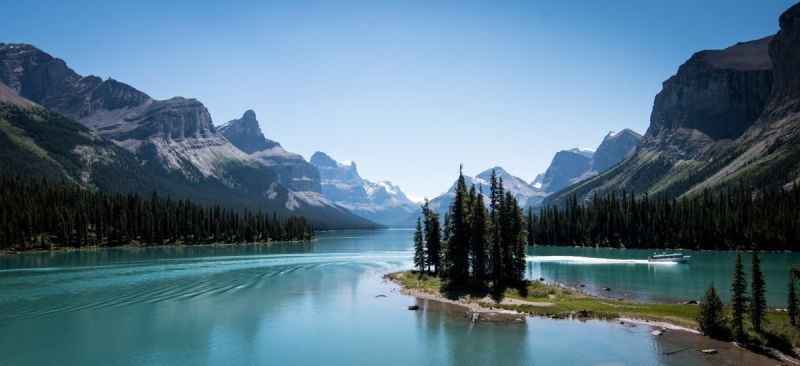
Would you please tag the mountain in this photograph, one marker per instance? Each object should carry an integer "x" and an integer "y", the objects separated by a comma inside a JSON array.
[
  {"x": 526, "y": 194},
  {"x": 293, "y": 171},
  {"x": 574, "y": 165},
  {"x": 382, "y": 202},
  {"x": 172, "y": 139},
  {"x": 566, "y": 168},
  {"x": 615, "y": 147},
  {"x": 36, "y": 142},
  {"x": 728, "y": 116}
]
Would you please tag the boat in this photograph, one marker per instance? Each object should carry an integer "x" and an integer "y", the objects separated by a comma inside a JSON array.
[{"x": 669, "y": 257}]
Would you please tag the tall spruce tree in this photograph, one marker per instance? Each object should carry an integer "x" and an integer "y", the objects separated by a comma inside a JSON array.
[
  {"x": 738, "y": 298},
  {"x": 529, "y": 224},
  {"x": 433, "y": 238},
  {"x": 758, "y": 299},
  {"x": 519, "y": 245},
  {"x": 508, "y": 236},
  {"x": 791, "y": 301},
  {"x": 495, "y": 242},
  {"x": 478, "y": 240},
  {"x": 419, "y": 248},
  {"x": 457, "y": 253}
]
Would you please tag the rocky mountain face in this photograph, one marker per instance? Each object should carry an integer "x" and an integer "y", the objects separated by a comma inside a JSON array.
[
  {"x": 176, "y": 133},
  {"x": 526, "y": 194},
  {"x": 726, "y": 117},
  {"x": 37, "y": 142},
  {"x": 615, "y": 147},
  {"x": 571, "y": 166},
  {"x": 566, "y": 168},
  {"x": 716, "y": 95},
  {"x": 293, "y": 171},
  {"x": 174, "y": 139},
  {"x": 382, "y": 202}
]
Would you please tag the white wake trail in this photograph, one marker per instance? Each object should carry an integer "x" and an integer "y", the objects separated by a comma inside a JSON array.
[{"x": 588, "y": 260}]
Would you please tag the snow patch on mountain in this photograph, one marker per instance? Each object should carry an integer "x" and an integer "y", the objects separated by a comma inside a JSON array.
[{"x": 382, "y": 201}]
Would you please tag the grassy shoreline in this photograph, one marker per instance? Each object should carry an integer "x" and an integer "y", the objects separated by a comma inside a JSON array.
[{"x": 553, "y": 300}]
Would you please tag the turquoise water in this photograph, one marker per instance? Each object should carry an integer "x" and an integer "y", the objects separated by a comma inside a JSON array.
[
  {"x": 283, "y": 304},
  {"x": 629, "y": 275}
]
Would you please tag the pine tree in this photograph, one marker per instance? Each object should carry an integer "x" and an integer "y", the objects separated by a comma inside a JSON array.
[
  {"x": 520, "y": 246},
  {"x": 738, "y": 298},
  {"x": 457, "y": 253},
  {"x": 711, "y": 315},
  {"x": 419, "y": 248},
  {"x": 791, "y": 301},
  {"x": 432, "y": 238},
  {"x": 495, "y": 242},
  {"x": 758, "y": 299},
  {"x": 478, "y": 240}
]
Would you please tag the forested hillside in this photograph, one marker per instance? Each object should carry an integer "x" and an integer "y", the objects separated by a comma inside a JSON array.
[{"x": 37, "y": 213}]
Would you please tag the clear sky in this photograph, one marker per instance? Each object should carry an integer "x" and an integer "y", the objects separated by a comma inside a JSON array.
[{"x": 406, "y": 89}]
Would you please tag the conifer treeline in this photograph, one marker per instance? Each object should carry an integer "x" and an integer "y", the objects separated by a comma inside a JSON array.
[
  {"x": 39, "y": 213},
  {"x": 727, "y": 219},
  {"x": 480, "y": 245}
]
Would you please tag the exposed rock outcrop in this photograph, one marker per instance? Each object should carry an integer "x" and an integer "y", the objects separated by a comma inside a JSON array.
[
  {"x": 382, "y": 202},
  {"x": 726, "y": 117},
  {"x": 715, "y": 95},
  {"x": 293, "y": 171},
  {"x": 174, "y": 140},
  {"x": 574, "y": 165}
]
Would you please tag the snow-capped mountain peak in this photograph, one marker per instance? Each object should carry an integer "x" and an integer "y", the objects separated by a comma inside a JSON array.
[{"x": 382, "y": 201}]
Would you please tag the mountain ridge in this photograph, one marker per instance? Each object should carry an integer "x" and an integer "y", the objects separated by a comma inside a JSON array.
[
  {"x": 174, "y": 140},
  {"x": 382, "y": 201},
  {"x": 726, "y": 117}
]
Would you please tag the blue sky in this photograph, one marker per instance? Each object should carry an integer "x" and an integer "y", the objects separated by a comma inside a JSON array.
[{"x": 407, "y": 89}]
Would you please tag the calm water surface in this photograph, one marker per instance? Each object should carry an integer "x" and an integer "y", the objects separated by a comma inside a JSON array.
[
  {"x": 303, "y": 303},
  {"x": 629, "y": 275}
]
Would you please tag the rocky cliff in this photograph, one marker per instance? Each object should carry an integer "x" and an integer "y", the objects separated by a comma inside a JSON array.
[
  {"x": 382, "y": 202},
  {"x": 571, "y": 166},
  {"x": 293, "y": 171},
  {"x": 726, "y": 117},
  {"x": 566, "y": 168},
  {"x": 174, "y": 140},
  {"x": 615, "y": 147}
]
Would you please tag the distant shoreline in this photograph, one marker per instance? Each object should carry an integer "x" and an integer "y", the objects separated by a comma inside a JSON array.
[
  {"x": 16, "y": 251},
  {"x": 659, "y": 249}
]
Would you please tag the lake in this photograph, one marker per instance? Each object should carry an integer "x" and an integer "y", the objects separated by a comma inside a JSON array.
[
  {"x": 629, "y": 275},
  {"x": 315, "y": 303}
]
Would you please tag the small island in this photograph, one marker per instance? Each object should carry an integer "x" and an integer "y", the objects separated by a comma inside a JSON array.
[
  {"x": 558, "y": 301},
  {"x": 477, "y": 260}
]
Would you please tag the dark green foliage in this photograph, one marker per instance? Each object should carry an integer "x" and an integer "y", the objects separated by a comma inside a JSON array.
[
  {"x": 711, "y": 316},
  {"x": 36, "y": 213},
  {"x": 495, "y": 239},
  {"x": 482, "y": 247},
  {"x": 724, "y": 219},
  {"x": 738, "y": 298},
  {"x": 433, "y": 238},
  {"x": 35, "y": 142},
  {"x": 758, "y": 299},
  {"x": 419, "y": 247},
  {"x": 791, "y": 301},
  {"x": 458, "y": 243},
  {"x": 478, "y": 253}
]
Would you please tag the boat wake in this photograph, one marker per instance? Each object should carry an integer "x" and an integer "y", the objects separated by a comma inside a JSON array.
[{"x": 588, "y": 260}]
